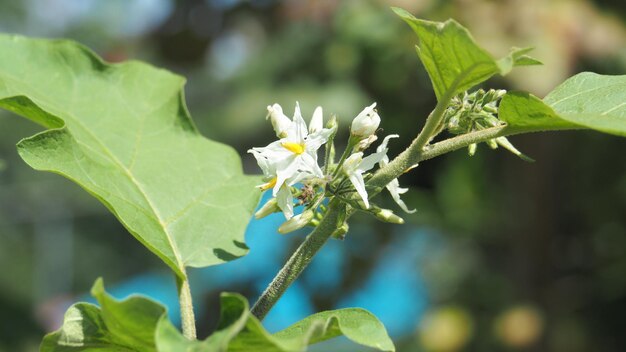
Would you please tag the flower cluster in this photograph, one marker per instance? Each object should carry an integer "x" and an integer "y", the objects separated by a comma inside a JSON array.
[
  {"x": 478, "y": 111},
  {"x": 291, "y": 169}
]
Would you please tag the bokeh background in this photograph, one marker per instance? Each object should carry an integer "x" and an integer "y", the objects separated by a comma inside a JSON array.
[{"x": 502, "y": 255}]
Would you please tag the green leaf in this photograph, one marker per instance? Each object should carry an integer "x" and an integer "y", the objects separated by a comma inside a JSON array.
[
  {"x": 123, "y": 133},
  {"x": 356, "y": 324},
  {"x": 239, "y": 330},
  {"x": 455, "y": 63},
  {"x": 123, "y": 326},
  {"x": 592, "y": 100},
  {"x": 586, "y": 100}
]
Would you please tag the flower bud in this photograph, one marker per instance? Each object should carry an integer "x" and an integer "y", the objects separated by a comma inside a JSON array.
[
  {"x": 268, "y": 208},
  {"x": 280, "y": 121},
  {"x": 297, "y": 222},
  {"x": 366, "y": 123},
  {"x": 332, "y": 123},
  {"x": 471, "y": 149},
  {"x": 387, "y": 215},
  {"x": 340, "y": 232}
]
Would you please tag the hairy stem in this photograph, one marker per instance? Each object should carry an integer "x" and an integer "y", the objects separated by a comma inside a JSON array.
[
  {"x": 298, "y": 261},
  {"x": 433, "y": 123},
  {"x": 186, "y": 308},
  {"x": 415, "y": 154}
]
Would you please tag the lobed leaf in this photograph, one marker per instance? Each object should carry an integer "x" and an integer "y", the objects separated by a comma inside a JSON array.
[
  {"x": 138, "y": 324},
  {"x": 453, "y": 60},
  {"x": 123, "y": 133},
  {"x": 123, "y": 326},
  {"x": 240, "y": 331},
  {"x": 586, "y": 100}
]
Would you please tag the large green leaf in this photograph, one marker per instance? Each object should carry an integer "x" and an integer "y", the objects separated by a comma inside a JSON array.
[
  {"x": 123, "y": 133},
  {"x": 454, "y": 61},
  {"x": 586, "y": 100},
  {"x": 123, "y": 326},
  {"x": 240, "y": 331}
]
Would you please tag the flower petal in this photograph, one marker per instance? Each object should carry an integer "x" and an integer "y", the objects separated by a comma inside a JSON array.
[
  {"x": 284, "y": 199},
  {"x": 371, "y": 160},
  {"x": 383, "y": 146},
  {"x": 299, "y": 126},
  {"x": 394, "y": 189},
  {"x": 359, "y": 184},
  {"x": 317, "y": 121}
]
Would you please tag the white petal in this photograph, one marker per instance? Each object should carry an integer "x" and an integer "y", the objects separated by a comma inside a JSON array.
[
  {"x": 383, "y": 147},
  {"x": 285, "y": 201},
  {"x": 289, "y": 171},
  {"x": 280, "y": 121},
  {"x": 300, "y": 131},
  {"x": 266, "y": 166},
  {"x": 315, "y": 140},
  {"x": 308, "y": 163},
  {"x": 371, "y": 160},
  {"x": 394, "y": 189},
  {"x": 359, "y": 184},
  {"x": 351, "y": 164},
  {"x": 317, "y": 121}
]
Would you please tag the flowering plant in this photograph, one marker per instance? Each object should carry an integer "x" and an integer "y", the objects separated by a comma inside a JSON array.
[{"x": 191, "y": 204}]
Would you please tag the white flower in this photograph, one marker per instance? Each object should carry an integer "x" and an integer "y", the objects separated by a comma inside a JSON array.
[
  {"x": 293, "y": 158},
  {"x": 284, "y": 197},
  {"x": 354, "y": 167},
  {"x": 366, "y": 122},
  {"x": 394, "y": 186},
  {"x": 295, "y": 155}
]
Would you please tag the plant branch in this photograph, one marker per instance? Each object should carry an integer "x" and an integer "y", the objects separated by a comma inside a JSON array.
[
  {"x": 415, "y": 154},
  {"x": 186, "y": 308},
  {"x": 299, "y": 260}
]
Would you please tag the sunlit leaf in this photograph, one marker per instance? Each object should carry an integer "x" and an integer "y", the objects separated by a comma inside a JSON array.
[
  {"x": 454, "y": 61},
  {"x": 123, "y": 133},
  {"x": 240, "y": 331},
  {"x": 586, "y": 100}
]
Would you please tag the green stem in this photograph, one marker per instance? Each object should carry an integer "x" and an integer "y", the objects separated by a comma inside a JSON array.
[
  {"x": 415, "y": 154},
  {"x": 299, "y": 260},
  {"x": 434, "y": 121},
  {"x": 186, "y": 308},
  {"x": 352, "y": 142}
]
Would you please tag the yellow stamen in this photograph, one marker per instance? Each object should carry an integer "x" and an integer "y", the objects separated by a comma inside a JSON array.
[
  {"x": 268, "y": 185},
  {"x": 295, "y": 148}
]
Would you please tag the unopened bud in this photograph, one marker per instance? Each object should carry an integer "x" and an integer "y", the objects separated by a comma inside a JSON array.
[
  {"x": 268, "y": 208},
  {"x": 508, "y": 146},
  {"x": 340, "y": 232},
  {"x": 332, "y": 123},
  {"x": 492, "y": 143},
  {"x": 471, "y": 149},
  {"x": 387, "y": 215},
  {"x": 366, "y": 122},
  {"x": 297, "y": 222},
  {"x": 280, "y": 121}
]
